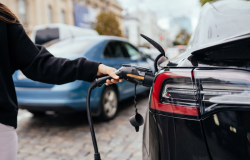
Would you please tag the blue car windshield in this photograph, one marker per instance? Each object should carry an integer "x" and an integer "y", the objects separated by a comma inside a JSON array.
[{"x": 70, "y": 47}]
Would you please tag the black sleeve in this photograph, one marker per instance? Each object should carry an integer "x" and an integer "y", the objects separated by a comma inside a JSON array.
[{"x": 38, "y": 64}]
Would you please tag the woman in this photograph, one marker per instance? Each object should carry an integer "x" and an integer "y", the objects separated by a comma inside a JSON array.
[{"x": 18, "y": 52}]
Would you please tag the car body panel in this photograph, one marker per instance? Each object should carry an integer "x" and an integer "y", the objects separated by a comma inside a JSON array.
[
  {"x": 179, "y": 136},
  {"x": 70, "y": 94},
  {"x": 172, "y": 138},
  {"x": 225, "y": 111},
  {"x": 227, "y": 134},
  {"x": 154, "y": 145},
  {"x": 219, "y": 23},
  {"x": 222, "y": 131},
  {"x": 190, "y": 142},
  {"x": 166, "y": 133}
]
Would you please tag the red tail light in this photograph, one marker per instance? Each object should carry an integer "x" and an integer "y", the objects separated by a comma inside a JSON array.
[{"x": 174, "y": 93}]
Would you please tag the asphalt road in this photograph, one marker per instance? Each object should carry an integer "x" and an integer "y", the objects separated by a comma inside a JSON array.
[{"x": 67, "y": 137}]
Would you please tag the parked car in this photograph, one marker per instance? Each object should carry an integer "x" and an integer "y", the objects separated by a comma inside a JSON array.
[
  {"x": 57, "y": 31},
  {"x": 39, "y": 97},
  {"x": 152, "y": 53},
  {"x": 199, "y": 105},
  {"x": 172, "y": 52}
]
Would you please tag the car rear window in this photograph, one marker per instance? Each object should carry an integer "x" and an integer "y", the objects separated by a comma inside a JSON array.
[
  {"x": 46, "y": 35},
  {"x": 70, "y": 46}
]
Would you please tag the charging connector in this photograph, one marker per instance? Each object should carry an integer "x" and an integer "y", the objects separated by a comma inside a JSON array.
[{"x": 133, "y": 74}]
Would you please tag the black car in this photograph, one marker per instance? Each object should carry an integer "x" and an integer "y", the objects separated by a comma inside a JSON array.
[{"x": 199, "y": 106}]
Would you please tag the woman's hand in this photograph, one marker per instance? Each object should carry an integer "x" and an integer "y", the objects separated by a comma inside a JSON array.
[{"x": 102, "y": 70}]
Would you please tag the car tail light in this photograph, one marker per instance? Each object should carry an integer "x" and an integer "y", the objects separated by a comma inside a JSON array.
[
  {"x": 175, "y": 93},
  {"x": 223, "y": 89}
]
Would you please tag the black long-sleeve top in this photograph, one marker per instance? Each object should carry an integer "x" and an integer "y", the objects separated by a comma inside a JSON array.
[{"x": 17, "y": 51}]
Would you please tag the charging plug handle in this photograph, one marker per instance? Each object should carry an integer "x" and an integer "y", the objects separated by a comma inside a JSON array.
[
  {"x": 132, "y": 74},
  {"x": 149, "y": 79}
]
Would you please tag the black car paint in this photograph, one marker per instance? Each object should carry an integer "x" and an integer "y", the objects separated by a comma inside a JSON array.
[
  {"x": 226, "y": 116},
  {"x": 213, "y": 142},
  {"x": 221, "y": 131},
  {"x": 175, "y": 135},
  {"x": 187, "y": 138}
]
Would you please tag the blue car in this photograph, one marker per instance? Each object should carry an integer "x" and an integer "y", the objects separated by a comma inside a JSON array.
[{"x": 39, "y": 97}]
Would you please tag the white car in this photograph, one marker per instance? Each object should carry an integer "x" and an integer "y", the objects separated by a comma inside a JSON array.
[{"x": 45, "y": 33}]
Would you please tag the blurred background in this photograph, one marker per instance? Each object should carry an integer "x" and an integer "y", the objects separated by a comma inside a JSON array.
[
  {"x": 170, "y": 23},
  {"x": 52, "y": 123}
]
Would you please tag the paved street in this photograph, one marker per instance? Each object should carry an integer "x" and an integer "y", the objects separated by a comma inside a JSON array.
[{"x": 67, "y": 137}]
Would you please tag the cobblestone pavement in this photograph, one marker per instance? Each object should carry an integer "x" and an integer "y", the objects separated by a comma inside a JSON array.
[{"x": 67, "y": 137}]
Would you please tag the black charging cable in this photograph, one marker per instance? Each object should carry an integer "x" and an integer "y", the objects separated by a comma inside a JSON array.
[
  {"x": 131, "y": 74},
  {"x": 97, "y": 154}
]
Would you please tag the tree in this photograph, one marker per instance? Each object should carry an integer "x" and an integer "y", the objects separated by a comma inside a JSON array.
[
  {"x": 107, "y": 25},
  {"x": 205, "y": 1},
  {"x": 182, "y": 38}
]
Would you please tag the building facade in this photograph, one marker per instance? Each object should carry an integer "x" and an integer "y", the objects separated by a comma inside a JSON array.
[
  {"x": 37, "y": 12},
  {"x": 134, "y": 25},
  {"x": 131, "y": 29}
]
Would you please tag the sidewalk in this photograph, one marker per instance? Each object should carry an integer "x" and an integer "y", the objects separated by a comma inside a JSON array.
[{"x": 60, "y": 137}]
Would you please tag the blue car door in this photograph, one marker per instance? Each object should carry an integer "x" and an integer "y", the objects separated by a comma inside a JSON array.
[{"x": 115, "y": 55}]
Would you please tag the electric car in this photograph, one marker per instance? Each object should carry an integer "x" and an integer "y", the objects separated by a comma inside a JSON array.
[
  {"x": 199, "y": 107},
  {"x": 39, "y": 97}
]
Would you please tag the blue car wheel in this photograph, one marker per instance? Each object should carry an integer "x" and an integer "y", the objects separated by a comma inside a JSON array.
[{"x": 109, "y": 103}]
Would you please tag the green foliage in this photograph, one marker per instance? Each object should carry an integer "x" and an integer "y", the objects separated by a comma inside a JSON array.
[
  {"x": 107, "y": 24},
  {"x": 182, "y": 38},
  {"x": 205, "y": 1}
]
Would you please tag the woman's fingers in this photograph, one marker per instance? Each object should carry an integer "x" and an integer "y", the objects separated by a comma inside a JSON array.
[
  {"x": 102, "y": 70},
  {"x": 108, "y": 82},
  {"x": 114, "y": 80},
  {"x": 112, "y": 74}
]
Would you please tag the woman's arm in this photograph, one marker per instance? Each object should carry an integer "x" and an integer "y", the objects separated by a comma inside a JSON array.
[{"x": 38, "y": 64}]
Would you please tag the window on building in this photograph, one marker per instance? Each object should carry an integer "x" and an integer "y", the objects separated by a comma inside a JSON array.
[
  {"x": 88, "y": 3},
  {"x": 50, "y": 14},
  {"x": 63, "y": 18},
  {"x": 22, "y": 10},
  {"x": 126, "y": 32},
  {"x": 82, "y": 2}
]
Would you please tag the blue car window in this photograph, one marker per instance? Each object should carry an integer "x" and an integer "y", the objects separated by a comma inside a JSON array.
[
  {"x": 115, "y": 50},
  {"x": 133, "y": 52}
]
